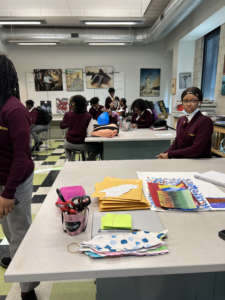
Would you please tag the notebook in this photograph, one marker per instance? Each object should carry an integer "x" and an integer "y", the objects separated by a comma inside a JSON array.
[
  {"x": 212, "y": 177},
  {"x": 144, "y": 220}
]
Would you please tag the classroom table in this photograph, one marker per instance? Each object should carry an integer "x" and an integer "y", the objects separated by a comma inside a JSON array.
[
  {"x": 194, "y": 268},
  {"x": 136, "y": 144}
]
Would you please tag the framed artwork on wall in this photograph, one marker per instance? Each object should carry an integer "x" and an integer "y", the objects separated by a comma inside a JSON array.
[
  {"x": 99, "y": 77},
  {"x": 62, "y": 105},
  {"x": 150, "y": 82},
  {"x": 48, "y": 80},
  {"x": 47, "y": 105},
  {"x": 223, "y": 80},
  {"x": 184, "y": 80},
  {"x": 173, "y": 86},
  {"x": 74, "y": 80}
]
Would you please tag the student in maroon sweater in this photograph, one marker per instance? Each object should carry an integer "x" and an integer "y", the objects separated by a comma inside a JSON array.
[
  {"x": 113, "y": 116},
  {"x": 111, "y": 98},
  {"x": 143, "y": 117},
  {"x": 16, "y": 167},
  {"x": 80, "y": 125},
  {"x": 194, "y": 131},
  {"x": 123, "y": 106},
  {"x": 96, "y": 108}
]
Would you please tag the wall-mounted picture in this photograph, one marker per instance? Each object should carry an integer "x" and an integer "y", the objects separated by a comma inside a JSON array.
[
  {"x": 184, "y": 80},
  {"x": 99, "y": 77},
  {"x": 150, "y": 83},
  {"x": 48, "y": 80},
  {"x": 173, "y": 86},
  {"x": 62, "y": 105},
  {"x": 74, "y": 80},
  {"x": 47, "y": 105},
  {"x": 223, "y": 80}
]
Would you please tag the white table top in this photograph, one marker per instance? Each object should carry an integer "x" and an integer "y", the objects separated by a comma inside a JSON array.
[
  {"x": 192, "y": 240},
  {"x": 137, "y": 135}
]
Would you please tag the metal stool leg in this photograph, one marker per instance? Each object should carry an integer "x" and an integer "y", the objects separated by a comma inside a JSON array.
[
  {"x": 49, "y": 138},
  {"x": 45, "y": 141}
]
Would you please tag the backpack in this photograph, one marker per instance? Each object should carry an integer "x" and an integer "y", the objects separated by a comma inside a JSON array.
[
  {"x": 45, "y": 115},
  {"x": 108, "y": 131}
]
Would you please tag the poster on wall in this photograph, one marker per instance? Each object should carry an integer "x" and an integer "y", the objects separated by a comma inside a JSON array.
[
  {"x": 150, "y": 83},
  {"x": 74, "y": 80},
  {"x": 47, "y": 105},
  {"x": 184, "y": 80},
  {"x": 48, "y": 80},
  {"x": 223, "y": 80},
  {"x": 62, "y": 105},
  {"x": 99, "y": 77}
]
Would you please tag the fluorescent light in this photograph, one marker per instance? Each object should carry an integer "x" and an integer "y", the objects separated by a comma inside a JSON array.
[
  {"x": 107, "y": 44},
  {"x": 37, "y": 44},
  {"x": 21, "y": 22},
  {"x": 109, "y": 23}
]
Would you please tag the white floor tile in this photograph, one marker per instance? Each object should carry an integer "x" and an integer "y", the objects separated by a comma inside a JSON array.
[
  {"x": 60, "y": 163},
  {"x": 35, "y": 207},
  {"x": 4, "y": 242}
]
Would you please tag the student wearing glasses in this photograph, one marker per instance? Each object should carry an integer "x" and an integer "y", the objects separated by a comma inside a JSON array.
[
  {"x": 194, "y": 130},
  {"x": 143, "y": 116}
]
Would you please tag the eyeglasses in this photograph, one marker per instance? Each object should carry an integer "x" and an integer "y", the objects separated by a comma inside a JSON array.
[{"x": 191, "y": 101}]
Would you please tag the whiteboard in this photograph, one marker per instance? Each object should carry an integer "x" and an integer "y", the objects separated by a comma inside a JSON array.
[{"x": 102, "y": 94}]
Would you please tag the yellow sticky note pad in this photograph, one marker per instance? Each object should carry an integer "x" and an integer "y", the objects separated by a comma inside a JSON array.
[{"x": 114, "y": 221}]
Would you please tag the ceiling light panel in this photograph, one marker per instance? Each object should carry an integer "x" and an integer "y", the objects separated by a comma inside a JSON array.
[
  {"x": 37, "y": 44},
  {"x": 21, "y": 22}
]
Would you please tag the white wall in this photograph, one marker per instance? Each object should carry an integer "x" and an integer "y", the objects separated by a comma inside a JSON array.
[{"x": 127, "y": 59}]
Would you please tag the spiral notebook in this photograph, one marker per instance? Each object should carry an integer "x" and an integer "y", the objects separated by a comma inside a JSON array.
[{"x": 212, "y": 177}]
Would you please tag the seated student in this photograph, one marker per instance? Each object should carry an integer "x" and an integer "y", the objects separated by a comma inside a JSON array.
[
  {"x": 143, "y": 117},
  {"x": 123, "y": 106},
  {"x": 111, "y": 98},
  {"x": 95, "y": 107},
  {"x": 151, "y": 106},
  {"x": 36, "y": 119},
  {"x": 194, "y": 131},
  {"x": 113, "y": 116},
  {"x": 80, "y": 125}
]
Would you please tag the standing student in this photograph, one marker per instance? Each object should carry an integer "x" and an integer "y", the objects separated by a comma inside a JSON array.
[
  {"x": 194, "y": 130},
  {"x": 80, "y": 125},
  {"x": 111, "y": 98},
  {"x": 142, "y": 117},
  {"x": 16, "y": 167},
  {"x": 38, "y": 122},
  {"x": 123, "y": 106},
  {"x": 95, "y": 107},
  {"x": 113, "y": 115}
]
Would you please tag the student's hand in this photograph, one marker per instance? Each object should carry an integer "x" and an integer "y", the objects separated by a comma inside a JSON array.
[
  {"x": 109, "y": 112},
  {"x": 163, "y": 156},
  {"x": 104, "y": 109},
  {"x": 134, "y": 126},
  {"x": 6, "y": 206}
]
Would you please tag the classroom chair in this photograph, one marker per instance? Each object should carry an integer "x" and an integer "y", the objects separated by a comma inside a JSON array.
[{"x": 47, "y": 139}]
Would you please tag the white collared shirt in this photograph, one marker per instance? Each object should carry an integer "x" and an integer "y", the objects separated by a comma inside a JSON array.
[
  {"x": 31, "y": 109},
  {"x": 189, "y": 117}
]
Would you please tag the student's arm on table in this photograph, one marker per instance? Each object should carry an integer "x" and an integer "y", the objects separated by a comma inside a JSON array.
[{"x": 65, "y": 122}]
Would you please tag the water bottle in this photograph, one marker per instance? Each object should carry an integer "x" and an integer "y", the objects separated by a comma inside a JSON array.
[{"x": 120, "y": 122}]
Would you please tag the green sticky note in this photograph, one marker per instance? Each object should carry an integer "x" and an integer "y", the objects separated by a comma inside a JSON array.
[{"x": 114, "y": 221}]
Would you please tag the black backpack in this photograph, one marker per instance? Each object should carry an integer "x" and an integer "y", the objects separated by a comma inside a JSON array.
[{"x": 45, "y": 115}]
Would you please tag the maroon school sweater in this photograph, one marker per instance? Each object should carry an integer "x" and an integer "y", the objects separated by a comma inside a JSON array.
[
  {"x": 77, "y": 124},
  {"x": 145, "y": 120},
  {"x": 36, "y": 118},
  {"x": 108, "y": 100},
  {"x": 16, "y": 164},
  {"x": 194, "y": 139},
  {"x": 94, "y": 111}
]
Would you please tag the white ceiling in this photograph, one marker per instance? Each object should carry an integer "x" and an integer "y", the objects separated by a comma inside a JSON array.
[{"x": 68, "y": 12}]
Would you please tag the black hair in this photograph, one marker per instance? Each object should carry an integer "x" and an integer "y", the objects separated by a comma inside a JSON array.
[
  {"x": 94, "y": 100},
  {"x": 9, "y": 85},
  {"x": 111, "y": 90},
  {"x": 80, "y": 104},
  {"x": 140, "y": 104},
  {"x": 124, "y": 101},
  {"x": 150, "y": 104},
  {"x": 30, "y": 102},
  {"x": 193, "y": 90}
]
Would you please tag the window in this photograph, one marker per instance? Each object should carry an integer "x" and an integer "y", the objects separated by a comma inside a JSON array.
[{"x": 211, "y": 49}]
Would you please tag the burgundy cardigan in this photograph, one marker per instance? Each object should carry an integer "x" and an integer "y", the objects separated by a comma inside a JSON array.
[
  {"x": 145, "y": 121},
  {"x": 36, "y": 118},
  {"x": 194, "y": 139},
  {"x": 108, "y": 100},
  {"x": 94, "y": 112}
]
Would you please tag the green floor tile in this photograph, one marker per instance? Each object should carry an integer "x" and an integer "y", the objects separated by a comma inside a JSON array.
[
  {"x": 4, "y": 287},
  {"x": 44, "y": 152},
  {"x": 1, "y": 233},
  {"x": 56, "y": 168},
  {"x": 56, "y": 144},
  {"x": 39, "y": 178},
  {"x": 53, "y": 158},
  {"x": 83, "y": 290},
  {"x": 33, "y": 217}
]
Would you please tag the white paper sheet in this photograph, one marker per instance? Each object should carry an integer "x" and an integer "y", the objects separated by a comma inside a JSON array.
[{"x": 119, "y": 190}]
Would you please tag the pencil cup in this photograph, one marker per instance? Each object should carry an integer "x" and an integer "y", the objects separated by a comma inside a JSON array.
[{"x": 75, "y": 224}]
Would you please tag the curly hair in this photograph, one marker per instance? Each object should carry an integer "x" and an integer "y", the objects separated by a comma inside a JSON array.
[
  {"x": 30, "y": 102},
  {"x": 80, "y": 104},
  {"x": 140, "y": 104},
  {"x": 124, "y": 101},
  {"x": 94, "y": 100},
  {"x": 111, "y": 90}
]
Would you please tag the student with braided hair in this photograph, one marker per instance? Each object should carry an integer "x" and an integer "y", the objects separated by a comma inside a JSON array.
[{"x": 16, "y": 167}]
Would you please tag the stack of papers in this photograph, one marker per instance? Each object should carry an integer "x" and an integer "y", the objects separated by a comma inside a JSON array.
[
  {"x": 119, "y": 194},
  {"x": 141, "y": 243},
  {"x": 114, "y": 221}
]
